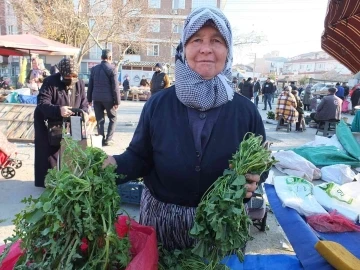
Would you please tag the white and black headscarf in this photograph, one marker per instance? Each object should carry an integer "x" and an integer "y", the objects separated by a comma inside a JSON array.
[{"x": 191, "y": 89}]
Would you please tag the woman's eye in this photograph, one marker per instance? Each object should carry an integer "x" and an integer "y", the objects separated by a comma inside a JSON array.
[
  {"x": 217, "y": 40},
  {"x": 196, "y": 40}
]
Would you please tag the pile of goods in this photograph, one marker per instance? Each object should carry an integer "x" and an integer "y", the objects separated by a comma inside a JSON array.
[{"x": 71, "y": 225}]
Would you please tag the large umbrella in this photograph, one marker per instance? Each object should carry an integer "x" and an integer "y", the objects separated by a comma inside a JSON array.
[
  {"x": 25, "y": 43},
  {"x": 341, "y": 37}
]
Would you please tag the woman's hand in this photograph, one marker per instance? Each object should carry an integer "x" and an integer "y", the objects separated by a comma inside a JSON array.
[
  {"x": 66, "y": 111},
  {"x": 252, "y": 183},
  {"x": 109, "y": 161}
]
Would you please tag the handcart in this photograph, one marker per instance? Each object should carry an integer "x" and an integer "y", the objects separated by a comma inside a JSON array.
[
  {"x": 9, "y": 163},
  {"x": 78, "y": 132}
]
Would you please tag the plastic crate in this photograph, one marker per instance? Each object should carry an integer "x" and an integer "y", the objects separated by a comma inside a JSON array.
[{"x": 131, "y": 192}]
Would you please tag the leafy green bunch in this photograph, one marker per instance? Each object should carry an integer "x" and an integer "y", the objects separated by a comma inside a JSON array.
[
  {"x": 221, "y": 222},
  {"x": 71, "y": 224}
]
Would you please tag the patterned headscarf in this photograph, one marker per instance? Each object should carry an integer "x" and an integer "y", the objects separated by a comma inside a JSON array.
[
  {"x": 67, "y": 66},
  {"x": 191, "y": 89}
]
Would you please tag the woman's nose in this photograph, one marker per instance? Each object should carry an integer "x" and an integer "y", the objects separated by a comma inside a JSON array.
[{"x": 206, "y": 48}]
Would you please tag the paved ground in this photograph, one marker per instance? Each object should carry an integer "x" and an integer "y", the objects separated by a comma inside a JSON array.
[{"x": 12, "y": 191}]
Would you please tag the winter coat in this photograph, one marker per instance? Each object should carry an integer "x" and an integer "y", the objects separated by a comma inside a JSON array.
[
  {"x": 286, "y": 106},
  {"x": 52, "y": 96},
  {"x": 267, "y": 88},
  {"x": 247, "y": 90},
  {"x": 126, "y": 85},
  {"x": 329, "y": 108},
  {"x": 103, "y": 84},
  {"x": 307, "y": 96}
]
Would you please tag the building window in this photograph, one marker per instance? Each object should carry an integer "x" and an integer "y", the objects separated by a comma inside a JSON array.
[
  {"x": 154, "y": 3},
  {"x": 177, "y": 28},
  {"x": 153, "y": 50},
  {"x": 154, "y": 26},
  {"x": 95, "y": 51},
  {"x": 178, "y": 4},
  {"x": 10, "y": 30}
]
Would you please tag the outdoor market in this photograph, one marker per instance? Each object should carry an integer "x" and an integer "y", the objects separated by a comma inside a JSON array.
[{"x": 190, "y": 178}]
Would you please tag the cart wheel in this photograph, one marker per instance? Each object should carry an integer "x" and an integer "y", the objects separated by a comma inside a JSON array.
[
  {"x": 8, "y": 172},
  {"x": 16, "y": 163}
]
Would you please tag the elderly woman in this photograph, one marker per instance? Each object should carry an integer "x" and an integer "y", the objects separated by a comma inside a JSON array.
[
  {"x": 58, "y": 94},
  {"x": 187, "y": 134},
  {"x": 286, "y": 106},
  {"x": 307, "y": 98}
]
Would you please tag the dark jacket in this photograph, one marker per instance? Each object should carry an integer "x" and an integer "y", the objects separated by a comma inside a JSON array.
[
  {"x": 158, "y": 82},
  {"x": 126, "y": 85},
  {"x": 247, "y": 90},
  {"x": 329, "y": 108},
  {"x": 103, "y": 84},
  {"x": 144, "y": 82},
  {"x": 163, "y": 151},
  {"x": 52, "y": 96},
  {"x": 268, "y": 88},
  {"x": 257, "y": 87}
]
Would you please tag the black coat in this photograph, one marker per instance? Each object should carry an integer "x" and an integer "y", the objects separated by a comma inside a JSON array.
[
  {"x": 247, "y": 90},
  {"x": 51, "y": 97},
  {"x": 162, "y": 149},
  {"x": 126, "y": 85}
]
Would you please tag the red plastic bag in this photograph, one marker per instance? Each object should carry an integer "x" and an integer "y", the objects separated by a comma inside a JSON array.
[
  {"x": 13, "y": 256},
  {"x": 143, "y": 246},
  {"x": 331, "y": 223}
]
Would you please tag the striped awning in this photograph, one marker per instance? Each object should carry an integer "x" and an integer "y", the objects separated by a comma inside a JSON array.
[{"x": 341, "y": 37}]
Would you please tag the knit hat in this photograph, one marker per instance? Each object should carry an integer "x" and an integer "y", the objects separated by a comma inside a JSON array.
[{"x": 67, "y": 67}]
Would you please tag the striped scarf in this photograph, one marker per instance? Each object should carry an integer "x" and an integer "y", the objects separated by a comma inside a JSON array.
[{"x": 191, "y": 89}]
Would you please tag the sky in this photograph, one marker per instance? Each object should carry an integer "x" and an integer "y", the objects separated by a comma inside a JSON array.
[{"x": 291, "y": 27}]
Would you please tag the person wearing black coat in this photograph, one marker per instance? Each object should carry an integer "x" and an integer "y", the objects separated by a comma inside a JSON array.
[
  {"x": 248, "y": 90},
  {"x": 59, "y": 93},
  {"x": 126, "y": 87}
]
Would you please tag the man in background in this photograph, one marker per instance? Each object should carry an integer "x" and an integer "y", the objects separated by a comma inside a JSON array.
[
  {"x": 159, "y": 80},
  {"x": 104, "y": 94},
  {"x": 126, "y": 87},
  {"x": 267, "y": 91},
  {"x": 257, "y": 88},
  {"x": 340, "y": 91},
  {"x": 329, "y": 108}
]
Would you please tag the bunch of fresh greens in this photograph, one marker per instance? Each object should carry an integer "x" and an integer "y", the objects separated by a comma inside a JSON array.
[
  {"x": 185, "y": 260},
  {"x": 71, "y": 224},
  {"x": 221, "y": 222}
]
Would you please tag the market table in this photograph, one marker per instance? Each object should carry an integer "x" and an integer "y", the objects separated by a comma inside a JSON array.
[{"x": 303, "y": 238}]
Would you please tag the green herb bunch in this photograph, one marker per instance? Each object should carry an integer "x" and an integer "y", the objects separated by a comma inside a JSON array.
[
  {"x": 221, "y": 222},
  {"x": 71, "y": 224}
]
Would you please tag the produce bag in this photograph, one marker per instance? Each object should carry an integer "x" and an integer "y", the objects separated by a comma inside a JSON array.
[
  {"x": 347, "y": 140},
  {"x": 338, "y": 173},
  {"x": 297, "y": 193},
  {"x": 293, "y": 164},
  {"x": 143, "y": 246},
  {"x": 332, "y": 197},
  {"x": 326, "y": 155}
]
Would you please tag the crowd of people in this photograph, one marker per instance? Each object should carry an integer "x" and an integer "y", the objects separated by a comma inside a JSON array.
[{"x": 291, "y": 105}]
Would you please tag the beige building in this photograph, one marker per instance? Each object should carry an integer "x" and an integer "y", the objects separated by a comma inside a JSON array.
[{"x": 313, "y": 65}]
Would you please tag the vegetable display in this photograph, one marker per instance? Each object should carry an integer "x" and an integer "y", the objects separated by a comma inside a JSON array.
[
  {"x": 71, "y": 224},
  {"x": 221, "y": 222}
]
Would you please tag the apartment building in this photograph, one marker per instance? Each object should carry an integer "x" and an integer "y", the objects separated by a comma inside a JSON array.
[
  {"x": 313, "y": 65},
  {"x": 164, "y": 31}
]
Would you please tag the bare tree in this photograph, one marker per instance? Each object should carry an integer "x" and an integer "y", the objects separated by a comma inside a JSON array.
[{"x": 87, "y": 24}]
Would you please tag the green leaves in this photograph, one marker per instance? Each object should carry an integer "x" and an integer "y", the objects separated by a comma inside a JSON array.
[
  {"x": 71, "y": 210},
  {"x": 221, "y": 213}
]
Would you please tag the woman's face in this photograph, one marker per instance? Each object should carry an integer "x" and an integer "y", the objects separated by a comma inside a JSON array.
[{"x": 206, "y": 52}]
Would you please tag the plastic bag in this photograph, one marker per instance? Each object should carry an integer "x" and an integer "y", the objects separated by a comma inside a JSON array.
[
  {"x": 297, "y": 193},
  {"x": 12, "y": 98},
  {"x": 326, "y": 156},
  {"x": 293, "y": 164},
  {"x": 338, "y": 173},
  {"x": 332, "y": 223},
  {"x": 321, "y": 140},
  {"x": 27, "y": 99},
  {"x": 143, "y": 246},
  {"x": 347, "y": 140},
  {"x": 332, "y": 197}
]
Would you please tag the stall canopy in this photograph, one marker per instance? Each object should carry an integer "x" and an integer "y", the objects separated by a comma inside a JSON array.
[
  {"x": 341, "y": 37},
  {"x": 24, "y": 44}
]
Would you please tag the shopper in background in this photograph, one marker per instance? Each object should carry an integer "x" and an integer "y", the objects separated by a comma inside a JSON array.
[{"x": 159, "y": 80}]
